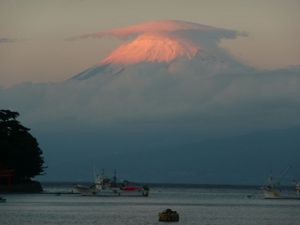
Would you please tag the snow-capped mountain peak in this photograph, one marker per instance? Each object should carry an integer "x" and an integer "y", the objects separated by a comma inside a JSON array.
[
  {"x": 179, "y": 46},
  {"x": 152, "y": 47}
]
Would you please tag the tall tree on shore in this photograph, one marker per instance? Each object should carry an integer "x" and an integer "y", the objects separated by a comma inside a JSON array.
[{"x": 19, "y": 150}]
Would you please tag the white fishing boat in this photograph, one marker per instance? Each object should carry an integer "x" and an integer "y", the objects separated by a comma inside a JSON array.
[
  {"x": 274, "y": 190},
  {"x": 105, "y": 186}
]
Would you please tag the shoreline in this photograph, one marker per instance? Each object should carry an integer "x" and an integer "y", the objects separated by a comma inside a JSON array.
[{"x": 163, "y": 185}]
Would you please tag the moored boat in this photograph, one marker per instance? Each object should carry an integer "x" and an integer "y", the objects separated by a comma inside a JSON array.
[
  {"x": 277, "y": 193},
  {"x": 105, "y": 186},
  {"x": 298, "y": 187},
  {"x": 274, "y": 190}
]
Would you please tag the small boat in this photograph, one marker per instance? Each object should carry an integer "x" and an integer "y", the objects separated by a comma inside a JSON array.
[
  {"x": 105, "y": 186},
  {"x": 2, "y": 200},
  {"x": 298, "y": 187},
  {"x": 274, "y": 190},
  {"x": 168, "y": 215},
  {"x": 271, "y": 192}
]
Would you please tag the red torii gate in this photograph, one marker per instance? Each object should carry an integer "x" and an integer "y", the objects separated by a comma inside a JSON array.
[{"x": 8, "y": 174}]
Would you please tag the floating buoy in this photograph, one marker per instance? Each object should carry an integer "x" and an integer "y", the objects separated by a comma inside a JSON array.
[{"x": 168, "y": 215}]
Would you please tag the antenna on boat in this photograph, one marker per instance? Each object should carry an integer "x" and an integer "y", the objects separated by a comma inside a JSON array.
[
  {"x": 115, "y": 176},
  {"x": 270, "y": 176},
  {"x": 94, "y": 172}
]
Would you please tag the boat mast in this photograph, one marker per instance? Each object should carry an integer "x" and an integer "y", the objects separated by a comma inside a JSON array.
[{"x": 115, "y": 177}]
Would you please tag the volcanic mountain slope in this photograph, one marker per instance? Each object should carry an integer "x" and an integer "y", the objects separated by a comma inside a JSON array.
[{"x": 178, "y": 45}]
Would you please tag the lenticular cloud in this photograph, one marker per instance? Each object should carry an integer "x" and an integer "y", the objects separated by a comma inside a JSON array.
[
  {"x": 162, "y": 41},
  {"x": 163, "y": 26}
]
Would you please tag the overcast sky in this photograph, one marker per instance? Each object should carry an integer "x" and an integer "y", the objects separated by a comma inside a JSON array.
[{"x": 32, "y": 32}]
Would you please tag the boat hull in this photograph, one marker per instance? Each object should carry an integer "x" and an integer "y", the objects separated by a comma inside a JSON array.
[
  {"x": 90, "y": 191},
  {"x": 105, "y": 186},
  {"x": 84, "y": 190},
  {"x": 141, "y": 193},
  {"x": 279, "y": 195}
]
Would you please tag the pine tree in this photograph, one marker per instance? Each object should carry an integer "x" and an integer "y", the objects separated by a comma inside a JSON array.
[{"x": 19, "y": 150}]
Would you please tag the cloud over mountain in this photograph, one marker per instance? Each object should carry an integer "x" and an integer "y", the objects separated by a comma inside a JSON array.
[
  {"x": 161, "y": 41},
  {"x": 161, "y": 26}
]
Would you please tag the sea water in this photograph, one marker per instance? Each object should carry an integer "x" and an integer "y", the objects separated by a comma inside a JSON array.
[{"x": 196, "y": 206}]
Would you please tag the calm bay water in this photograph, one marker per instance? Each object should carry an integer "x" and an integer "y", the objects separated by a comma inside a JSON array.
[{"x": 196, "y": 206}]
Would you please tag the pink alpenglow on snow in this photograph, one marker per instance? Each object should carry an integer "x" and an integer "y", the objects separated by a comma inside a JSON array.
[
  {"x": 152, "y": 47},
  {"x": 160, "y": 41}
]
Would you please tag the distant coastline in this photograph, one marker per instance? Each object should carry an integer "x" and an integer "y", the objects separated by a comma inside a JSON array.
[
  {"x": 161, "y": 185},
  {"x": 166, "y": 185}
]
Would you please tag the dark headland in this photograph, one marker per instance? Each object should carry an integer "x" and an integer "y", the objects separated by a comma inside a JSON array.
[{"x": 21, "y": 158}]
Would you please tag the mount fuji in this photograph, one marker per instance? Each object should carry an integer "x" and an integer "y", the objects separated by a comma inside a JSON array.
[
  {"x": 169, "y": 98},
  {"x": 175, "y": 45}
]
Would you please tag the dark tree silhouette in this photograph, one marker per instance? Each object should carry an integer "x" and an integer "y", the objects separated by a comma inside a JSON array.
[{"x": 19, "y": 150}]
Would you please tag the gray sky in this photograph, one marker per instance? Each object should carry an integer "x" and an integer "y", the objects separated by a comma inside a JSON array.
[{"x": 32, "y": 32}]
